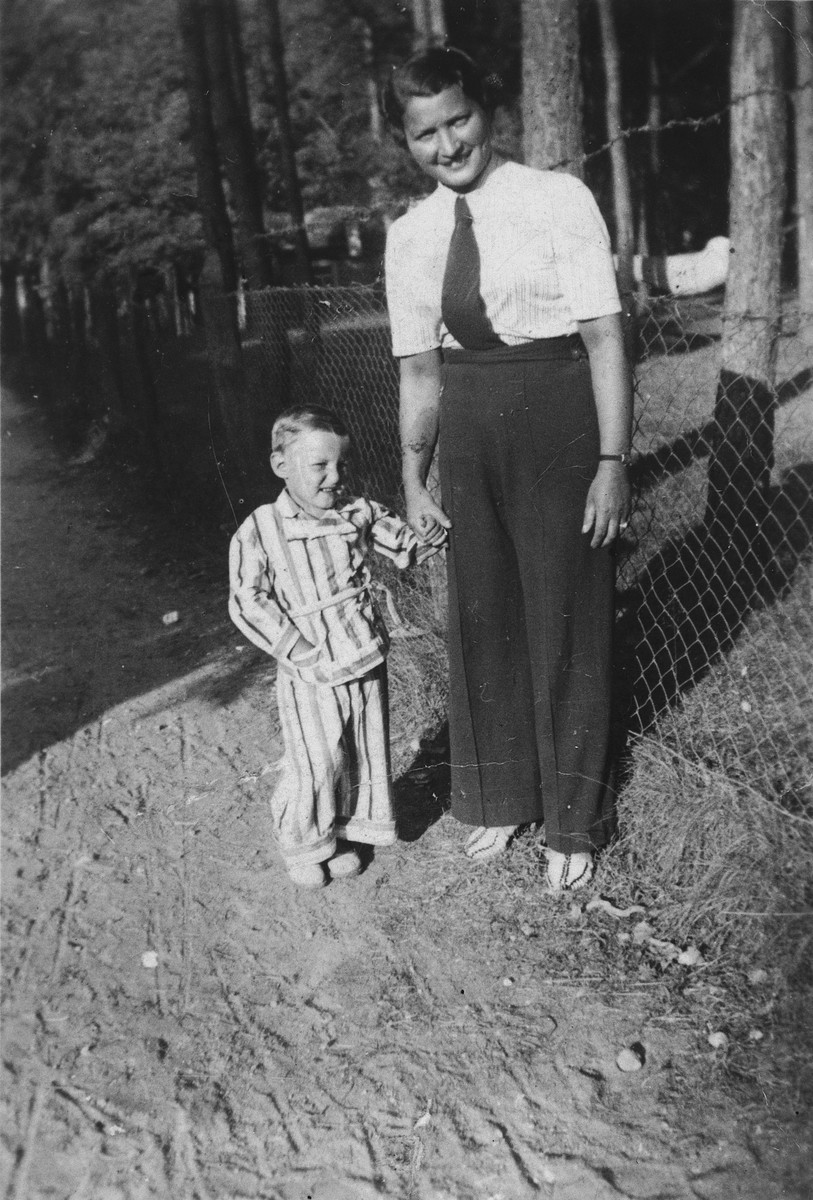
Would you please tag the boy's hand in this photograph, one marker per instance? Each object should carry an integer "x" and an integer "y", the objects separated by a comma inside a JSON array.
[
  {"x": 438, "y": 539},
  {"x": 426, "y": 518}
]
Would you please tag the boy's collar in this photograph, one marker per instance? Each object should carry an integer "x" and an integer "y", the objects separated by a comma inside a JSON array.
[{"x": 289, "y": 508}]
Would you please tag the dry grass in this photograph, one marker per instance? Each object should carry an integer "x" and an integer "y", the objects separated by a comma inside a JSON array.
[
  {"x": 717, "y": 817},
  {"x": 714, "y": 860},
  {"x": 417, "y": 664},
  {"x": 417, "y": 679}
]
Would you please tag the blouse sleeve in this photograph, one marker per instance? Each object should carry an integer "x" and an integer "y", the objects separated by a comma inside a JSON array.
[
  {"x": 583, "y": 256},
  {"x": 414, "y": 324}
]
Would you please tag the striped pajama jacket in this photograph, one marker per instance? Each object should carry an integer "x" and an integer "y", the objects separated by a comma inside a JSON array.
[{"x": 292, "y": 575}]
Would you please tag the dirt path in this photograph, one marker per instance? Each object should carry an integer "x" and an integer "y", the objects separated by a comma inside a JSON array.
[{"x": 178, "y": 1023}]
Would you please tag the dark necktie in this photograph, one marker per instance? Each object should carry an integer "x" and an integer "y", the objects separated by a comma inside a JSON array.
[{"x": 461, "y": 305}]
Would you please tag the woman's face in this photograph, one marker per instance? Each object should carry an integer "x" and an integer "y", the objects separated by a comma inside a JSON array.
[{"x": 449, "y": 136}]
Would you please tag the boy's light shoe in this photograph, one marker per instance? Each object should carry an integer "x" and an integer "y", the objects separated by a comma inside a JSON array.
[
  {"x": 487, "y": 843},
  {"x": 309, "y": 875},
  {"x": 568, "y": 872},
  {"x": 344, "y": 865}
]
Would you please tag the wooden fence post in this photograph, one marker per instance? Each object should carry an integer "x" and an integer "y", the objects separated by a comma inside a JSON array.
[
  {"x": 742, "y": 447},
  {"x": 240, "y": 461}
]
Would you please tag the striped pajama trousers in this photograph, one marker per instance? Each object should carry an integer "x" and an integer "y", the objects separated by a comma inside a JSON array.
[{"x": 335, "y": 780}]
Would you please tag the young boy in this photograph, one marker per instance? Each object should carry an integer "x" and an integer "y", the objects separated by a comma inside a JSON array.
[{"x": 300, "y": 590}]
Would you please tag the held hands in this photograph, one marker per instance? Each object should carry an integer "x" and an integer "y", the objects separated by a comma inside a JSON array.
[
  {"x": 426, "y": 518},
  {"x": 608, "y": 504}
]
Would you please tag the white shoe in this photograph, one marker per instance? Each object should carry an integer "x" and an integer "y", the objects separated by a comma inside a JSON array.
[
  {"x": 568, "y": 872},
  {"x": 308, "y": 875},
  {"x": 344, "y": 865},
  {"x": 486, "y": 843}
]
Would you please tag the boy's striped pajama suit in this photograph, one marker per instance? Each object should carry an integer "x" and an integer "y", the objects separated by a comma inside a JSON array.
[{"x": 294, "y": 575}]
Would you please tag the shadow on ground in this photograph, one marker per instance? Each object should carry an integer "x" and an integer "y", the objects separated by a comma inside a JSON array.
[
  {"x": 688, "y": 606},
  {"x": 91, "y": 569}
]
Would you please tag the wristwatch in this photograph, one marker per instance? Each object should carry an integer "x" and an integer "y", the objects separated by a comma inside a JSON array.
[{"x": 625, "y": 459}]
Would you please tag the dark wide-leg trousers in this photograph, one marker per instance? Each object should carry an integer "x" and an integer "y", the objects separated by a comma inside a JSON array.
[{"x": 530, "y": 603}]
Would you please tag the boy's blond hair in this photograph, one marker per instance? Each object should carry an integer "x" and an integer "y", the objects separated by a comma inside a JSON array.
[{"x": 301, "y": 418}]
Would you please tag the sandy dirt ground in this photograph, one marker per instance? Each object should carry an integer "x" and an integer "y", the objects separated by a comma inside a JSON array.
[{"x": 178, "y": 1022}]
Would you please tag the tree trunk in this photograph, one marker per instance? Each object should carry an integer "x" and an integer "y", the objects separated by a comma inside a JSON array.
[
  {"x": 114, "y": 401},
  {"x": 286, "y": 141},
  {"x": 10, "y": 325},
  {"x": 655, "y": 241},
  {"x": 368, "y": 61},
  {"x": 756, "y": 194},
  {"x": 803, "y": 112},
  {"x": 742, "y": 444},
  {"x": 237, "y": 62},
  {"x": 62, "y": 316},
  {"x": 236, "y": 145},
  {"x": 429, "y": 22},
  {"x": 622, "y": 191},
  {"x": 211, "y": 200},
  {"x": 551, "y": 86}
]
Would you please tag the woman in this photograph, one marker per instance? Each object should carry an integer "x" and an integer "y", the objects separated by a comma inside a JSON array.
[{"x": 506, "y": 323}]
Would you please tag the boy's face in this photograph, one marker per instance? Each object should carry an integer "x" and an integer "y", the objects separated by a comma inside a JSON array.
[{"x": 313, "y": 465}]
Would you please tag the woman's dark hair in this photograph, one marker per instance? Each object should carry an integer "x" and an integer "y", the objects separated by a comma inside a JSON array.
[{"x": 430, "y": 72}]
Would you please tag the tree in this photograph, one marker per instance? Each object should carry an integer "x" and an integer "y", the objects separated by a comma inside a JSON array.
[
  {"x": 650, "y": 234},
  {"x": 235, "y": 138},
  {"x": 41, "y": 67},
  {"x": 739, "y": 469},
  {"x": 622, "y": 191},
  {"x": 429, "y": 21},
  {"x": 211, "y": 198},
  {"x": 336, "y": 53},
  {"x": 803, "y": 113},
  {"x": 286, "y": 143},
  {"x": 551, "y": 86},
  {"x": 97, "y": 175}
]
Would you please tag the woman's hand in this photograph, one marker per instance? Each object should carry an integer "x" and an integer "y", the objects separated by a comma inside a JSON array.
[
  {"x": 426, "y": 518},
  {"x": 607, "y": 509},
  {"x": 420, "y": 401}
]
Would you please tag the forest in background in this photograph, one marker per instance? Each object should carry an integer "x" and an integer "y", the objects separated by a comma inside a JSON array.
[
  {"x": 157, "y": 154},
  {"x": 98, "y": 171}
]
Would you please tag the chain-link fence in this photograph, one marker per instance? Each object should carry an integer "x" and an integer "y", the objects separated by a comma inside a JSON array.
[
  {"x": 715, "y": 624},
  {"x": 328, "y": 346},
  {"x": 713, "y": 606}
]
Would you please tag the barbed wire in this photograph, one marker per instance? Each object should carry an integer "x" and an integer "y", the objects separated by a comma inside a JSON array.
[
  {"x": 364, "y": 212},
  {"x": 683, "y": 122}
]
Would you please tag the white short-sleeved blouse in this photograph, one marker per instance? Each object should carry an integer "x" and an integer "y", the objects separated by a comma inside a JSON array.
[{"x": 545, "y": 260}]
